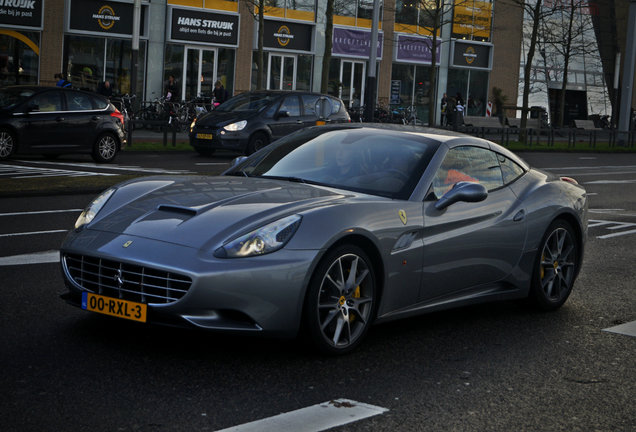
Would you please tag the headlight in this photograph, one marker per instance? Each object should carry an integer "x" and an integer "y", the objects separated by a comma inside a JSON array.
[
  {"x": 93, "y": 208},
  {"x": 266, "y": 239},
  {"x": 233, "y": 127},
  {"x": 194, "y": 122}
]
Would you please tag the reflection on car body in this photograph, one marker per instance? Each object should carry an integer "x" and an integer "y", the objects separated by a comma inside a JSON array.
[{"x": 282, "y": 243}]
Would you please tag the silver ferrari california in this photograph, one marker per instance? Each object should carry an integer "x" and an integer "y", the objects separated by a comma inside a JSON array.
[{"x": 327, "y": 231}]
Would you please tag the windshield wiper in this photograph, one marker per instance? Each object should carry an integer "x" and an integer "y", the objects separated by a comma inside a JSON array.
[{"x": 291, "y": 179}]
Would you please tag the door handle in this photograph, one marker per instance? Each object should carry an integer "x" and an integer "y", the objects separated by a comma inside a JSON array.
[
  {"x": 95, "y": 118},
  {"x": 521, "y": 215},
  {"x": 59, "y": 119}
]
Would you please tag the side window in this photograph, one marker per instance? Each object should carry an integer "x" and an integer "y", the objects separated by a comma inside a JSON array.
[
  {"x": 291, "y": 105},
  {"x": 76, "y": 101},
  {"x": 269, "y": 113},
  {"x": 48, "y": 101},
  {"x": 335, "y": 103},
  {"x": 509, "y": 169},
  {"x": 99, "y": 103},
  {"x": 472, "y": 164},
  {"x": 309, "y": 104}
]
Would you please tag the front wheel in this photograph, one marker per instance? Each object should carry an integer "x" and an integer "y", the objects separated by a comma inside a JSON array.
[
  {"x": 105, "y": 148},
  {"x": 340, "y": 303},
  {"x": 7, "y": 144},
  {"x": 257, "y": 142},
  {"x": 556, "y": 267}
]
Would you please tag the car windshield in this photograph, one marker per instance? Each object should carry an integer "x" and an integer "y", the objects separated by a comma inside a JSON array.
[
  {"x": 373, "y": 161},
  {"x": 247, "y": 102},
  {"x": 12, "y": 97}
]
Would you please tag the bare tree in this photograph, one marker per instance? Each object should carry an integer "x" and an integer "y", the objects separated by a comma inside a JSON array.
[
  {"x": 565, "y": 35},
  {"x": 536, "y": 12},
  {"x": 324, "y": 78},
  {"x": 257, "y": 10}
]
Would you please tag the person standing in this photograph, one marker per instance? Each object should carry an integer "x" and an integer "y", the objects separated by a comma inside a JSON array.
[
  {"x": 172, "y": 90},
  {"x": 219, "y": 94},
  {"x": 105, "y": 89},
  {"x": 444, "y": 110}
]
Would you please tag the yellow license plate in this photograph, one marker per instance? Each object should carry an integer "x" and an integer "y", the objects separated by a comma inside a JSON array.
[
  {"x": 115, "y": 307},
  {"x": 204, "y": 136}
]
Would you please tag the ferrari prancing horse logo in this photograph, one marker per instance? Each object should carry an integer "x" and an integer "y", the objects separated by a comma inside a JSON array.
[
  {"x": 403, "y": 218},
  {"x": 128, "y": 243}
]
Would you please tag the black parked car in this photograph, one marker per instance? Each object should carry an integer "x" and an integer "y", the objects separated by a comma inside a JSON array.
[
  {"x": 250, "y": 121},
  {"x": 55, "y": 120}
]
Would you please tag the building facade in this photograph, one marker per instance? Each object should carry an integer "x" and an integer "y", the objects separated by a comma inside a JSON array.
[{"x": 198, "y": 42}]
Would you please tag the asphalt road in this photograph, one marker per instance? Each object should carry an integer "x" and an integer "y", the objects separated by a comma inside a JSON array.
[{"x": 497, "y": 367}]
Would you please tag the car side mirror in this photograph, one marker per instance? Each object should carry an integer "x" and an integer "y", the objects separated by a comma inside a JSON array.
[
  {"x": 282, "y": 114},
  {"x": 237, "y": 161},
  {"x": 462, "y": 191}
]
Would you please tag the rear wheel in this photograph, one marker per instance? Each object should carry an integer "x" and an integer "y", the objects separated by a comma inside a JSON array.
[
  {"x": 341, "y": 300},
  {"x": 556, "y": 267},
  {"x": 7, "y": 144},
  {"x": 105, "y": 148},
  {"x": 257, "y": 142}
]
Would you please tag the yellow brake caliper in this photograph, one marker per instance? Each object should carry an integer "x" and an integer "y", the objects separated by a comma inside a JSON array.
[
  {"x": 356, "y": 294},
  {"x": 542, "y": 269}
]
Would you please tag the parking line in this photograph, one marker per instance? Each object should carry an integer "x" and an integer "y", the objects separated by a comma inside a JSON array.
[
  {"x": 628, "y": 329},
  {"x": 315, "y": 418}
]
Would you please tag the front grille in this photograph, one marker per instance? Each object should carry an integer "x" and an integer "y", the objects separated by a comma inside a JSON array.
[{"x": 126, "y": 281}]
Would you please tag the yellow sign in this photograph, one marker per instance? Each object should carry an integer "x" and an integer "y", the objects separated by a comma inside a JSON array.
[
  {"x": 402, "y": 215},
  {"x": 472, "y": 18}
]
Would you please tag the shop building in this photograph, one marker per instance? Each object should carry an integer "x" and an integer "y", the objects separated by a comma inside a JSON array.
[{"x": 200, "y": 42}]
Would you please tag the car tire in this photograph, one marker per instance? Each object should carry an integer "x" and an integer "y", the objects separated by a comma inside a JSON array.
[
  {"x": 8, "y": 144},
  {"x": 257, "y": 142},
  {"x": 105, "y": 148},
  {"x": 340, "y": 305},
  {"x": 555, "y": 267}
]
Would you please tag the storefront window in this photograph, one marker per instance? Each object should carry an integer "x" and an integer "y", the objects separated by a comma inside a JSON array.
[
  {"x": 413, "y": 17},
  {"x": 293, "y": 9},
  {"x": 354, "y": 13},
  {"x": 472, "y": 86},
  {"x": 91, "y": 60},
  {"x": 225, "y": 69},
  {"x": 84, "y": 61},
  {"x": 18, "y": 60},
  {"x": 304, "y": 72},
  {"x": 414, "y": 85},
  {"x": 173, "y": 65}
]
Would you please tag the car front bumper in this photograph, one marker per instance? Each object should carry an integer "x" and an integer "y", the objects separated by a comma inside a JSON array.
[{"x": 262, "y": 294}]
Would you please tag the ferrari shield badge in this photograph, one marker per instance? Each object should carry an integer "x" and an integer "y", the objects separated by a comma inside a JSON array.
[
  {"x": 403, "y": 218},
  {"x": 128, "y": 243}
]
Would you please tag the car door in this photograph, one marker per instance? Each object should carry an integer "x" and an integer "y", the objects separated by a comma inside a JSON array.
[
  {"x": 81, "y": 119},
  {"x": 287, "y": 119},
  {"x": 470, "y": 245},
  {"x": 44, "y": 121}
]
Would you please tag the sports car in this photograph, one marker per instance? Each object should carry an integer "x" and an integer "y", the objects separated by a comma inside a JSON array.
[{"x": 327, "y": 231}]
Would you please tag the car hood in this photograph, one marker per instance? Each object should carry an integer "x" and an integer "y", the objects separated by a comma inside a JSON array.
[
  {"x": 199, "y": 211},
  {"x": 221, "y": 118}
]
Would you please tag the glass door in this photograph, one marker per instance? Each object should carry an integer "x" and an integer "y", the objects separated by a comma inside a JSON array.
[
  {"x": 281, "y": 72},
  {"x": 199, "y": 73},
  {"x": 352, "y": 77}
]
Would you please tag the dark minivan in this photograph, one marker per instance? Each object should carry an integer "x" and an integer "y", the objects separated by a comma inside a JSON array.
[
  {"x": 56, "y": 120},
  {"x": 249, "y": 121}
]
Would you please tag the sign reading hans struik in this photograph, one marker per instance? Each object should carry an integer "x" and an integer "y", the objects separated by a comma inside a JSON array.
[
  {"x": 103, "y": 17},
  {"x": 287, "y": 36},
  {"x": 21, "y": 13},
  {"x": 197, "y": 26}
]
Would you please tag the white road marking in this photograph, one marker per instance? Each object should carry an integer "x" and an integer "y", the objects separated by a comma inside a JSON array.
[
  {"x": 33, "y": 258},
  {"x": 41, "y": 212},
  {"x": 315, "y": 418},
  {"x": 628, "y": 329},
  {"x": 16, "y": 172},
  {"x": 111, "y": 167},
  {"x": 612, "y": 225},
  {"x": 611, "y": 181},
  {"x": 32, "y": 233}
]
